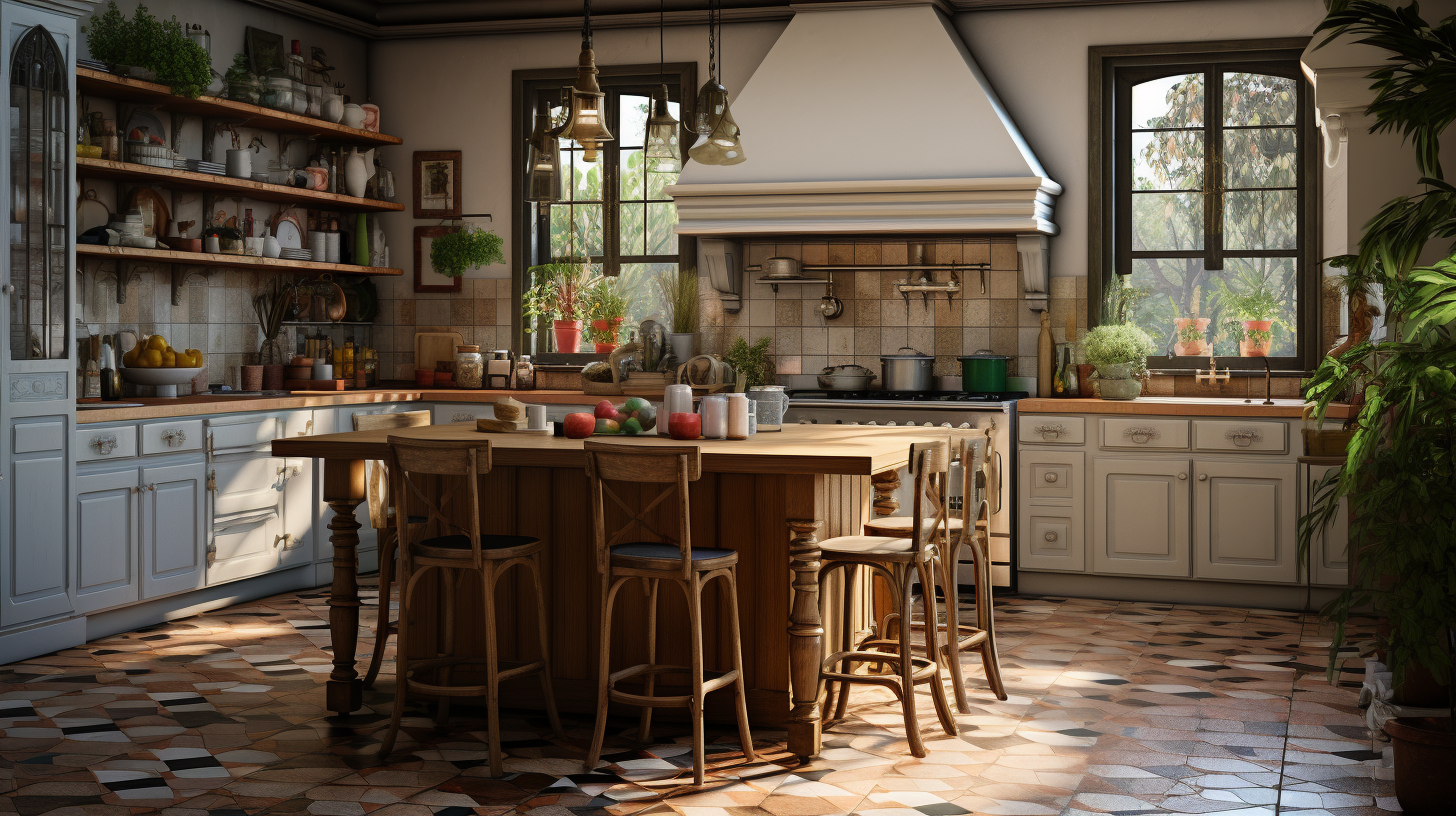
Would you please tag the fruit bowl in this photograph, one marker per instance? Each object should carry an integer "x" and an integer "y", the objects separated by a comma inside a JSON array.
[{"x": 165, "y": 380}]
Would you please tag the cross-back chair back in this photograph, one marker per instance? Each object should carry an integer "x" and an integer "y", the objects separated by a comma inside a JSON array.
[
  {"x": 459, "y": 465},
  {"x": 674, "y": 466},
  {"x": 974, "y": 450},
  {"x": 376, "y": 473},
  {"x": 930, "y": 469}
]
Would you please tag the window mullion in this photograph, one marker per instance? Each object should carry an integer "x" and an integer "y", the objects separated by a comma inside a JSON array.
[
  {"x": 1213, "y": 168},
  {"x": 611, "y": 191}
]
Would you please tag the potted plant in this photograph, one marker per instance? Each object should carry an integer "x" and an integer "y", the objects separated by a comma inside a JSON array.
[
  {"x": 680, "y": 290},
  {"x": 1119, "y": 352},
  {"x": 751, "y": 362},
  {"x": 558, "y": 294},
  {"x": 606, "y": 307},
  {"x": 1192, "y": 331},
  {"x": 1255, "y": 308},
  {"x": 148, "y": 48},
  {"x": 1399, "y": 472},
  {"x": 467, "y": 248}
]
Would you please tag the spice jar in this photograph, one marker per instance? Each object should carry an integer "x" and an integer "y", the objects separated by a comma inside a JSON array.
[
  {"x": 525, "y": 374},
  {"x": 469, "y": 367}
]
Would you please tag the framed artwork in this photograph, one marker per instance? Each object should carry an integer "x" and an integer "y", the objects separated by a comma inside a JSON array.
[
  {"x": 264, "y": 49},
  {"x": 437, "y": 184},
  {"x": 426, "y": 278}
]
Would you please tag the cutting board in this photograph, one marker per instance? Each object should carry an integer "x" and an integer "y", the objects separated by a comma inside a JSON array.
[{"x": 433, "y": 345}]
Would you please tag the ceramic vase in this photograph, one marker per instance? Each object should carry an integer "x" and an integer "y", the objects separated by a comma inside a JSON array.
[
  {"x": 271, "y": 249},
  {"x": 333, "y": 107},
  {"x": 682, "y": 345},
  {"x": 356, "y": 172},
  {"x": 1197, "y": 347},
  {"x": 1248, "y": 347},
  {"x": 353, "y": 116}
]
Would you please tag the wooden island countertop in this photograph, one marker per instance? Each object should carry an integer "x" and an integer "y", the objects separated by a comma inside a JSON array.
[{"x": 770, "y": 498}]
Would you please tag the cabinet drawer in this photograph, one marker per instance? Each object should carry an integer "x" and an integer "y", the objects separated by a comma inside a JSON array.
[
  {"x": 462, "y": 412},
  {"x": 1051, "y": 480},
  {"x": 1067, "y": 430},
  {"x": 1137, "y": 433},
  {"x": 106, "y": 443},
  {"x": 1051, "y": 539},
  {"x": 34, "y": 437},
  {"x": 243, "y": 433},
  {"x": 1240, "y": 437},
  {"x": 170, "y": 437}
]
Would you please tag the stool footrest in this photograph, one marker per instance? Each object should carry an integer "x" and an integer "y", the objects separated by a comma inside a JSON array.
[
  {"x": 712, "y": 681},
  {"x": 921, "y": 669}
]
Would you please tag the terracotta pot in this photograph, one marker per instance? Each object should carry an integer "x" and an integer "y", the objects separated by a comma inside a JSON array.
[
  {"x": 1198, "y": 347},
  {"x": 1425, "y": 753},
  {"x": 1248, "y": 348},
  {"x": 604, "y": 348},
  {"x": 568, "y": 335},
  {"x": 605, "y": 331}
]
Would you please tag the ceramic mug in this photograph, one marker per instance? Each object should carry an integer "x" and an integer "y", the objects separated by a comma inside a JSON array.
[
  {"x": 240, "y": 163},
  {"x": 536, "y": 417},
  {"x": 212, "y": 244},
  {"x": 353, "y": 116}
]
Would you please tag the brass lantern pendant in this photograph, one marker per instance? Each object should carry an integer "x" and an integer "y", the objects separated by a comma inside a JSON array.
[
  {"x": 663, "y": 148},
  {"x": 543, "y": 158},
  {"x": 723, "y": 144},
  {"x": 586, "y": 124}
]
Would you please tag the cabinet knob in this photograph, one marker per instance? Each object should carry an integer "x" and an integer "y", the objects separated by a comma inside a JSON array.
[
  {"x": 104, "y": 445},
  {"x": 1183, "y": 477},
  {"x": 174, "y": 437},
  {"x": 8, "y": 288},
  {"x": 1050, "y": 478},
  {"x": 1203, "y": 477},
  {"x": 461, "y": 416},
  {"x": 1050, "y": 536}
]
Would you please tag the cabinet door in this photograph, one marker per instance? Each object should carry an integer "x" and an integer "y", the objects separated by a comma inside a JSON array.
[
  {"x": 36, "y": 527},
  {"x": 107, "y": 574},
  {"x": 1244, "y": 521},
  {"x": 1052, "y": 510},
  {"x": 1140, "y": 516},
  {"x": 1329, "y": 548},
  {"x": 247, "y": 515},
  {"x": 298, "y": 505},
  {"x": 174, "y": 532}
]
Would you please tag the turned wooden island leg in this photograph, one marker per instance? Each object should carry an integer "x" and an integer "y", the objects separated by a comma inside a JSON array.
[
  {"x": 806, "y": 640},
  {"x": 344, "y": 491}
]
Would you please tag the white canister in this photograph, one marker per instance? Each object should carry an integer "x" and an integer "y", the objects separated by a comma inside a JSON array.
[
  {"x": 317, "y": 244},
  {"x": 715, "y": 416},
  {"x": 738, "y": 416},
  {"x": 253, "y": 247},
  {"x": 212, "y": 244},
  {"x": 240, "y": 162},
  {"x": 535, "y": 417},
  {"x": 676, "y": 399},
  {"x": 331, "y": 248},
  {"x": 323, "y": 371},
  {"x": 333, "y": 107}
]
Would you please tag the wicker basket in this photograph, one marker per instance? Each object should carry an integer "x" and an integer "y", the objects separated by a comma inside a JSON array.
[{"x": 1325, "y": 442}]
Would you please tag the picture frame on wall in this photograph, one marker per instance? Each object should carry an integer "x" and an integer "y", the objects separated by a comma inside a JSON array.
[
  {"x": 437, "y": 183},
  {"x": 427, "y": 280}
]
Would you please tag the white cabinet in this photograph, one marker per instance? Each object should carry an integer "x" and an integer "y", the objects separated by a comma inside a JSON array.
[
  {"x": 253, "y": 530},
  {"x": 106, "y": 565},
  {"x": 1245, "y": 517},
  {"x": 1329, "y": 547},
  {"x": 174, "y": 533},
  {"x": 1052, "y": 513},
  {"x": 1140, "y": 517},
  {"x": 36, "y": 532}
]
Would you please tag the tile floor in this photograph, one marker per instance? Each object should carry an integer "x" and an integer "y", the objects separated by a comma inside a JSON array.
[{"x": 1116, "y": 708}]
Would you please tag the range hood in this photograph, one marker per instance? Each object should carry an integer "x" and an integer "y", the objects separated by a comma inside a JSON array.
[{"x": 872, "y": 119}]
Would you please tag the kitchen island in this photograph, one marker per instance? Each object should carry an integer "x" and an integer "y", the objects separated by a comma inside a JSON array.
[{"x": 769, "y": 497}]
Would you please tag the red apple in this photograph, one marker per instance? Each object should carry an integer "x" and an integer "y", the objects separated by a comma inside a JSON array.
[
  {"x": 605, "y": 410},
  {"x": 579, "y": 426}
]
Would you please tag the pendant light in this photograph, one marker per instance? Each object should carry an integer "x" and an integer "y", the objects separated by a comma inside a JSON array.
[
  {"x": 721, "y": 143},
  {"x": 586, "y": 122},
  {"x": 663, "y": 149},
  {"x": 543, "y": 158}
]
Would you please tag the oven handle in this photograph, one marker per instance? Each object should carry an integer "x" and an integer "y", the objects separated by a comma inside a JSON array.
[{"x": 999, "y": 477}]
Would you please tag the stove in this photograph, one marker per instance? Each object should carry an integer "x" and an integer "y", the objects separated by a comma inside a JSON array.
[{"x": 944, "y": 409}]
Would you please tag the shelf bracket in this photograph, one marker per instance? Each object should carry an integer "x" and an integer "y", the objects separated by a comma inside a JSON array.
[
  {"x": 126, "y": 272},
  {"x": 180, "y": 274}
]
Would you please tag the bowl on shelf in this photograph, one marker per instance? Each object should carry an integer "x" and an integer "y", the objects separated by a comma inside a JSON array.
[
  {"x": 183, "y": 244},
  {"x": 165, "y": 380}
]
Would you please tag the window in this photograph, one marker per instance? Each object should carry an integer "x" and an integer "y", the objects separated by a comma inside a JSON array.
[
  {"x": 612, "y": 211},
  {"x": 1207, "y": 177}
]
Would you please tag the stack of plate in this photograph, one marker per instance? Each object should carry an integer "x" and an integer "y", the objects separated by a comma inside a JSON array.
[
  {"x": 291, "y": 254},
  {"x": 95, "y": 65},
  {"x": 200, "y": 166}
]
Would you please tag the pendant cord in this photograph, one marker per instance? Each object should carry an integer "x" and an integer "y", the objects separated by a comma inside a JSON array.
[
  {"x": 586, "y": 32},
  {"x": 662, "y": 36},
  {"x": 712, "y": 43},
  {"x": 720, "y": 40}
]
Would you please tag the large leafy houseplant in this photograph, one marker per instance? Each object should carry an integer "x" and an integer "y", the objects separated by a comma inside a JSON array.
[
  {"x": 559, "y": 294},
  {"x": 752, "y": 361},
  {"x": 1112, "y": 346},
  {"x": 466, "y": 248},
  {"x": 1399, "y": 475},
  {"x": 160, "y": 46}
]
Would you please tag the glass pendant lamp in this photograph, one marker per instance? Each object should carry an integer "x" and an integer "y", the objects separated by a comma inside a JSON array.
[
  {"x": 663, "y": 148},
  {"x": 722, "y": 140},
  {"x": 543, "y": 158},
  {"x": 586, "y": 121}
]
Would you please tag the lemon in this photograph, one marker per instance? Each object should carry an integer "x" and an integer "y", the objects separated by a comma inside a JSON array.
[
  {"x": 157, "y": 343},
  {"x": 151, "y": 358}
]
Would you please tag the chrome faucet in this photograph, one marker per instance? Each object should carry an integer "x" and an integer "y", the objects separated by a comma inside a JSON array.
[{"x": 1267, "y": 374}]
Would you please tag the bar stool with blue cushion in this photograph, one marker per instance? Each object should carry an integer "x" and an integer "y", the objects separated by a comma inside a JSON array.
[
  {"x": 620, "y": 559},
  {"x": 458, "y": 552}
]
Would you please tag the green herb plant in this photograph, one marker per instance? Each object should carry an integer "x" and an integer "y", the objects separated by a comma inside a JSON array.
[
  {"x": 1251, "y": 298},
  {"x": 680, "y": 290},
  {"x": 157, "y": 45},
  {"x": 464, "y": 249},
  {"x": 1114, "y": 344},
  {"x": 1399, "y": 475},
  {"x": 560, "y": 292},
  {"x": 752, "y": 362}
]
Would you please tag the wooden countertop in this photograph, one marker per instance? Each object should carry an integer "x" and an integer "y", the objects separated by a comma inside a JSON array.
[
  {"x": 838, "y": 449},
  {"x": 1175, "y": 406},
  {"x": 202, "y": 405}
]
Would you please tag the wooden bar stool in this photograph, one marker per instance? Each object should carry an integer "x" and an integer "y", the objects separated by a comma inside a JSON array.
[
  {"x": 975, "y": 449},
  {"x": 623, "y": 557},
  {"x": 457, "y": 551},
  {"x": 899, "y": 561},
  {"x": 381, "y": 518}
]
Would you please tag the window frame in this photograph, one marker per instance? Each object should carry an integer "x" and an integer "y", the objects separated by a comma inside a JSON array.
[
  {"x": 1112, "y": 71},
  {"x": 529, "y": 218}
]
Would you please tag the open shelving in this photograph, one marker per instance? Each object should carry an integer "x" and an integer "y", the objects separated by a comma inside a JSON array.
[
  {"x": 221, "y": 261},
  {"x": 226, "y": 185}
]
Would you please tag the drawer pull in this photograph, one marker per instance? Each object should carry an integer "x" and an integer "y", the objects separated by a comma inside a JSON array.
[
  {"x": 1243, "y": 437},
  {"x": 1203, "y": 477},
  {"x": 462, "y": 416},
  {"x": 1050, "y": 536},
  {"x": 1182, "y": 477},
  {"x": 285, "y": 538},
  {"x": 1050, "y": 478},
  {"x": 104, "y": 445},
  {"x": 1050, "y": 430},
  {"x": 1142, "y": 436},
  {"x": 174, "y": 437}
]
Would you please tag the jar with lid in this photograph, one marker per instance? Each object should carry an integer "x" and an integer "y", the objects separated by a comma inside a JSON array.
[
  {"x": 525, "y": 374},
  {"x": 469, "y": 367},
  {"x": 348, "y": 360}
]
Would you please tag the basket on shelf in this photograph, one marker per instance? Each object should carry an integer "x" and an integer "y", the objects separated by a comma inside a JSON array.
[{"x": 150, "y": 154}]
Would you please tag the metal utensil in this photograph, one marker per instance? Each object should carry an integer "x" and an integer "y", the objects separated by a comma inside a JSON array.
[{"x": 829, "y": 305}]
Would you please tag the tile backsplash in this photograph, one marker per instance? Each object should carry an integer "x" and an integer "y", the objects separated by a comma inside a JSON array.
[{"x": 989, "y": 313}]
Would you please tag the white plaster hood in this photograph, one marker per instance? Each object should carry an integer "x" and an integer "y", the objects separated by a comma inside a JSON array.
[{"x": 929, "y": 147}]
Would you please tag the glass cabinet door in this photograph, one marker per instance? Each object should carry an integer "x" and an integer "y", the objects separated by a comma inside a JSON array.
[{"x": 39, "y": 211}]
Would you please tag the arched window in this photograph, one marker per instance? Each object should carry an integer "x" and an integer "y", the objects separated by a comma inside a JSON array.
[{"x": 39, "y": 210}]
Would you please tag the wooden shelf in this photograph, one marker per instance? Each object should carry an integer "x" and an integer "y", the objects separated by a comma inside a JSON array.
[
  {"x": 245, "y": 188},
  {"x": 100, "y": 83},
  {"x": 139, "y": 255}
]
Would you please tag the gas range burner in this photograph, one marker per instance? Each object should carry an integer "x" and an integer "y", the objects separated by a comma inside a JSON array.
[{"x": 908, "y": 396}]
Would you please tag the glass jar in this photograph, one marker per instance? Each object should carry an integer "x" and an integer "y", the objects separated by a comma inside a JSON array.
[
  {"x": 278, "y": 94},
  {"x": 300, "y": 98},
  {"x": 245, "y": 90},
  {"x": 469, "y": 367},
  {"x": 525, "y": 374}
]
